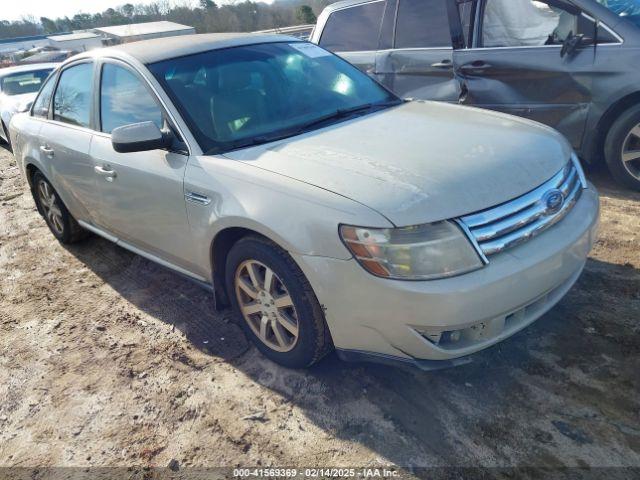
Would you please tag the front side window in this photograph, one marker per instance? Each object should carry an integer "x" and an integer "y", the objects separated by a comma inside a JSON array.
[
  {"x": 125, "y": 100},
  {"x": 72, "y": 100},
  {"x": 41, "y": 105},
  {"x": 628, "y": 9},
  {"x": 422, "y": 24},
  {"x": 353, "y": 29},
  {"x": 23, "y": 82},
  {"x": 530, "y": 23},
  {"x": 246, "y": 95}
]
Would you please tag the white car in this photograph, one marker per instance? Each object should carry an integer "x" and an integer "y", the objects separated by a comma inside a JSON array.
[
  {"x": 18, "y": 87},
  {"x": 325, "y": 210}
]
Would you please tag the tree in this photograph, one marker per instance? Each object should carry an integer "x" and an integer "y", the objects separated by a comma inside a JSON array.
[
  {"x": 208, "y": 4},
  {"x": 48, "y": 25},
  {"x": 305, "y": 15}
]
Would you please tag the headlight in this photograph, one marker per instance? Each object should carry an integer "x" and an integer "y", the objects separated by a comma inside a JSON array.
[{"x": 423, "y": 252}]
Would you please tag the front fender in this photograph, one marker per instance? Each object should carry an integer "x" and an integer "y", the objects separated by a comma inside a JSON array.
[{"x": 301, "y": 218}]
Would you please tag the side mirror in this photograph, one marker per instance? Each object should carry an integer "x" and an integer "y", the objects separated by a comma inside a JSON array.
[
  {"x": 139, "y": 137},
  {"x": 571, "y": 44},
  {"x": 25, "y": 106}
]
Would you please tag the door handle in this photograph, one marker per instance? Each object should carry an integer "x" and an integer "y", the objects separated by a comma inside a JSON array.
[
  {"x": 47, "y": 150},
  {"x": 106, "y": 172},
  {"x": 475, "y": 67},
  {"x": 444, "y": 64},
  {"x": 197, "y": 198}
]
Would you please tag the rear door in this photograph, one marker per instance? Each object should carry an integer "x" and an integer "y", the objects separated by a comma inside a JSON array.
[
  {"x": 65, "y": 139},
  {"x": 353, "y": 33},
  {"x": 419, "y": 61},
  {"x": 513, "y": 62},
  {"x": 141, "y": 193}
]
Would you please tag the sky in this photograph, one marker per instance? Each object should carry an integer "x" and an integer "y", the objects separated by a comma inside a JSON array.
[{"x": 16, "y": 9}]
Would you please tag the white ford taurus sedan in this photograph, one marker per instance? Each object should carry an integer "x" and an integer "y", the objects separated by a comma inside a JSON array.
[
  {"x": 325, "y": 210},
  {"x": 18, "y": 86}
]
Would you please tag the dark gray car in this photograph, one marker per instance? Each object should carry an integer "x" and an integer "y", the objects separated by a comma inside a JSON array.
[{"x": 573, "y": 65}]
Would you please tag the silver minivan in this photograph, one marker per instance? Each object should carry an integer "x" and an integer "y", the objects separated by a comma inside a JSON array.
[
  {"x": 570, "y": 64},
  {"x": 325, "y": 210}
]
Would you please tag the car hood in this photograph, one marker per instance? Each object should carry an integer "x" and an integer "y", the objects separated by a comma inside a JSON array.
[
  {"x": 10, "y": 103},
  {"x": 421, "y": 161}
]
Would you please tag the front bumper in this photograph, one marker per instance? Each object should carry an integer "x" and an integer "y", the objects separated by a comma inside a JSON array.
[{"x": 391, "y": 320}]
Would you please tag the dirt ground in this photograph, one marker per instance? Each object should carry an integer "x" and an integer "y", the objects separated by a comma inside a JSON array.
[{"x": 109, "y": 360}]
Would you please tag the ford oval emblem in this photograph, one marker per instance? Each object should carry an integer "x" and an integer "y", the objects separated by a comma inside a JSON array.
[{"x": 553, "y": 200}]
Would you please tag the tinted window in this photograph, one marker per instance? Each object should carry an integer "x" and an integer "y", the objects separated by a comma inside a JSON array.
[
  {"x": 240, "y": 96},
  {"x": 125, "y": 100},
  {"x": 422, "y": 24},
  {"x": 23, "y": 82},
  {"x": 467, "y": 16},
  {"x": 41, "y": 105},
  {"x": 72, "y": 101},
  {"x": 353, "y": 29}
]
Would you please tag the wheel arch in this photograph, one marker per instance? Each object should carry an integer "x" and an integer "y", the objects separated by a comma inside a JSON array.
[
  {"x": 595, "y": 151},
  {"x": 221, "y": 245},
  {"x": 30, "y": 170}
]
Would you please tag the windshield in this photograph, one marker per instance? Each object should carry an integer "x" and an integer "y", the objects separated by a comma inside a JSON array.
[
  {"x": 252, "y": 94},
  {"x": 629, "y": 9},
  {"x": 23, "y": 82}
]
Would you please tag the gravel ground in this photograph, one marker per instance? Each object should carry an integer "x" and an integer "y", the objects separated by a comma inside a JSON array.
[{"x": 109, "y": 360}]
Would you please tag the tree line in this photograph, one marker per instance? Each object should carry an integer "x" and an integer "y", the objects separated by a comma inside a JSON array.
[{"x": 205, "y": 15}]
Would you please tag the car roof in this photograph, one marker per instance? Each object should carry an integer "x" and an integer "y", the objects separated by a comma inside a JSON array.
[
  {"x": 32, "y": 67},
  {"x": 345, "y": 3},
  {"x": 158, "y": 49}
]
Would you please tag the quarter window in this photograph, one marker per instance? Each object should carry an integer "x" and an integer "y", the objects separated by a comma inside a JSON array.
[
  {"x": 41, "y": 105},
  {"x": 72, "y": 100},
  {"x": 124, "y": 99},
  {"x": 422, "y": 24},
  {"x": 354, "y": 28}
]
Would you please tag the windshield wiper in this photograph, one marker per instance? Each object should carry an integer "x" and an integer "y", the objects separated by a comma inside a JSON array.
[
  {"x": 343, "y": 113},
  {"x": 298, "y": 129}
]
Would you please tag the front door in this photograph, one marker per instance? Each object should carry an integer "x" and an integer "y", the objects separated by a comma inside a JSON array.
[
  {"x": 516, "y": 62},
  {"x": 141, "y": 193}
]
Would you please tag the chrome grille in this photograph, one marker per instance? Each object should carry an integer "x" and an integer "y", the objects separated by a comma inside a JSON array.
[{"x": 514, "y": 222}]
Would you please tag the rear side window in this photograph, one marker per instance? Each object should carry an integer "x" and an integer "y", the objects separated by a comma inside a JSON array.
[
  {"x": 124, "y": 99},
  {"x": 72, "y": 100},
  {"x": 41, "y": 105},
  {"x": 422, "y": 24},
  {"x": 353, "y": 29}
]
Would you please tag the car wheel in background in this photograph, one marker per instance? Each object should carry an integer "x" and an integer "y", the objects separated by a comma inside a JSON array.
[
  {"x": 63, "y": 226},
  {"x": 276, "y": 306},
  {"x": 6, "y": 134},
  {"x": 622, "y": 148}
]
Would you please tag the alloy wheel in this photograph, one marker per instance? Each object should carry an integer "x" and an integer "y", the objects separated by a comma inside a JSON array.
[
  {"x": 631, "y": 152},
  {"x": 51, "y": 210},
  {"x": 266, "y": 305}
]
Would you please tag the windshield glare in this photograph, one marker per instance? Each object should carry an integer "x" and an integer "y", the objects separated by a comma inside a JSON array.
[
  {"x": 629, "y": 9},
  {"x": 238, "y": 96},
  {"x": 23, "y": 82}
]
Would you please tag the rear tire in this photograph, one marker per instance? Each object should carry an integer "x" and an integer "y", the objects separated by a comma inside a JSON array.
[
  {"x": 622, "y": 148},
  {"x": 61, "y": 223},
  {"x": 275, "y": 304}
]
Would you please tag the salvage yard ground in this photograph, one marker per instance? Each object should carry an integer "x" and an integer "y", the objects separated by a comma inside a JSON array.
[{"x": 107, "y": 359}]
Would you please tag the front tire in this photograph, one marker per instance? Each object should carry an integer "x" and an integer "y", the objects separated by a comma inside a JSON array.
[
  {"x": 622, "y": 148},
  {"x": 275, "y": 304},
  {"x": 61, "y": 223}
]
